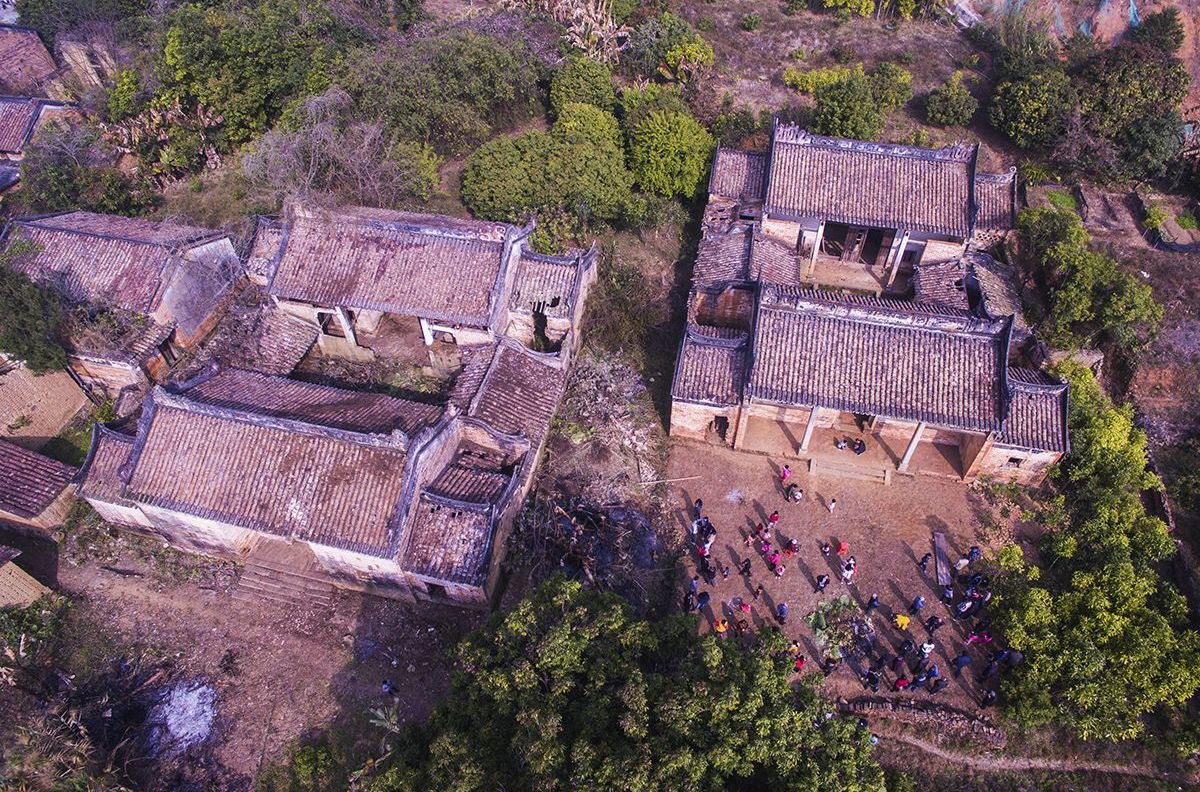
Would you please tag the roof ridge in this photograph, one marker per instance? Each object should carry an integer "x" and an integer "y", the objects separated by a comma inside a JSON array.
[
  {"x": 396, "y": 440},
  {"x": 36, "y": 221},
  {"x": 959, "y": 151}
]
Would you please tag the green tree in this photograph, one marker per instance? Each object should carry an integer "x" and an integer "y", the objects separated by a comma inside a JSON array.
[
  {"x": 52, "y": 17},
  {"x": 1031, "y": 111},
  {"x": 583, "y": 80},
  {"x": 1130, "y": 82},
  {"x": 451, "y": 88},
  {"x": 1087, "y": 294},
  {"x": 1149, "y": 144},
  {"x": 951, "y": 104},
  {"x": 669, "y": 154},
  {"x": 863, "y": 8},
  {"x": 505, "y": 178},
  {"x": 891, "y": 86},
  {"x": 70, "y": 166},
  {"x": 33, "y": 322},
  {"x": 667, "y": 47},
  {"x": 1105, "y": 638},
  {"x": 569, "y": 690},
  {"x": 1161, "y": 30},
  {"x": 848, "y": 108},
  {"x": 638, "y": 103}
]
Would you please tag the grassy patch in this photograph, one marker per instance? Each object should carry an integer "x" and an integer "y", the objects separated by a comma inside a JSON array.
[
  {"x": 1061, "y": 199},
  {"x": 1187, "y": 221},
  {"x": 72, "y": 443}
]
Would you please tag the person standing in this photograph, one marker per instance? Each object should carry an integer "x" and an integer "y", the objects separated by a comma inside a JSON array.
[
  {"x": 989, "y": 698},
  {"x": 698, "y": 508},
  {"x": 936, "y": 686},
  {"x": 785, "y": 474},
  {"x": 832, "y": 505},
  {"x": 781, "y": 612},
  {"x": 900, "y": 684},
  {"x": 847, "y": 573},
  {"x": 917, "y": 604},
  {"x": 901, "y": 621},
  {"x": 933, "y": 623},
  {"x": 961, "y": 661},
  {"x": 948, "y": 594},
  {"x": 773, "y": 519},
  {"x": 745, "y": 570},
  {"x": 992, "y": 669},
  {"x": 702, "y": 601},
  {"x": 923, "y": 564},
  {"x": 694, "y": 584},
  {"x": 974, "y": 554},
  {"x": 872, "y": 604},
  {"x": 927, "y": 648},
  {"x": 822, "y": 582}
]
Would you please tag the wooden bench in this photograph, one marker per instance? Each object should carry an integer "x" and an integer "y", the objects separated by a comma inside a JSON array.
[{"x": 945, "y": 570}]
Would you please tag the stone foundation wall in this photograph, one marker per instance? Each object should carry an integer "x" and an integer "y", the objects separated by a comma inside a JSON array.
[{"x": 695, "y": 421}]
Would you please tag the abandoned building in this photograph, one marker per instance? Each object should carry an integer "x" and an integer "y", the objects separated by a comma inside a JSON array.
[
  {"x": 33, "y": 488},
  {"x": 862, "y": 215},
  {"x": 142, "y": 291},
  {"x": 361, "y": 490},
  {"x": 374, "y": 281},
  {"x": 835, "y": 298},
  {"x": 35, "y": 407}
]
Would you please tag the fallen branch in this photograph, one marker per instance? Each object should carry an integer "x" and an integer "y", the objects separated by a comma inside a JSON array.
[{"x": 664, "y": 481}]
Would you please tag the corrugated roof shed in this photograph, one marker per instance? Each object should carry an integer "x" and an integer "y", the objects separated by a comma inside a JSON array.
[
  {"x": 943, "y": 368},
  {"x": 29, "y": 482},
  {"x": 870, "y": 184},
  {"x": 396, "y": 262}
]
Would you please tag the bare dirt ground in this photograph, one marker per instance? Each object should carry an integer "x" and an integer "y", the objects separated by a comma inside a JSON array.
[
  {"x": 280, "y": 673},
  {"x": 887, "y": 528}
]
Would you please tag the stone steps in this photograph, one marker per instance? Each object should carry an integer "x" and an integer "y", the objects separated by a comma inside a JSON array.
[
  {"x": 283, "y": 575},
  {"x": 831, "y": 467}
]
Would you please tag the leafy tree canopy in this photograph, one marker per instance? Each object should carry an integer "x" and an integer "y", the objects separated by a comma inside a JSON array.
[
  {"x": 1032, "y": 110},
  {"x": 848, "y": 108},
  {"x": 669, "y": 154},
  {"x": 583, "y": 80},
  {"x": 951, "y": 104},
  {"x": 667, "y": 47},
  {"x": 1105, "y": 638},
  {"x": 32, "y": 326},
  {"x": 891, "y": 86},
  {"x": 569, "y": 691},
  {"x": 1161, "y": 30},
  {"x": 1087, "y": 294}
]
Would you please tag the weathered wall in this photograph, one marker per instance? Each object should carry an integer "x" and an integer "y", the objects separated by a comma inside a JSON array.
[
  {"x": 199, "y": 535},
  {"x": 110, "y": 377},
  {"x": 786, "y": 231},
  {"x": 1032, "y": 470},
  {"x": 348, "y": 569},
  {"x": 694, "y": 421},
  {"x": 731, "y": 307},
  {"x": 120, "y": 514}
]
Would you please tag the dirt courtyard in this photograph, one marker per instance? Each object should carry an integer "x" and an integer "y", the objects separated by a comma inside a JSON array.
[{"x": 887, "y": 528}]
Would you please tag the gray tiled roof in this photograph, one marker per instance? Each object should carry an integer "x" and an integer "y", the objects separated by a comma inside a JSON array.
[
  {"x": 275, "y": 475},
  {"x": 397, "y": 262},
  {"x": 520, "y": 392},
  {"x": 25, "y": 63},
  {"x": 711, "y": 367},
  {"x": 102, "y": 470},
  {"x": 1037, "y": 412},
  {"x": 996, "y": 200},
  {"x": 29, "y": 482},
  {"x": 449, "y": 541},
  {"x": 546, "y": 282},
  {"x": 878, "y": 359},
  {"x": 103, "y": 259},
  {"x": 870, "y": 184},
  {"x": 320, "y": 405},
  {"x": 740, "y": 254},
  {"x": 737, "y": 174},
  {"x": 942, "y": 282}
]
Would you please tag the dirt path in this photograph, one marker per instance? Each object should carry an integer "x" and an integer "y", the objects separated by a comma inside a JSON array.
[{"x": 1004, "y": 764}]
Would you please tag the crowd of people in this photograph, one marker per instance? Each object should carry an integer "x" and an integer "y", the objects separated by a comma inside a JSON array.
[{"x": 905, "y": 660}]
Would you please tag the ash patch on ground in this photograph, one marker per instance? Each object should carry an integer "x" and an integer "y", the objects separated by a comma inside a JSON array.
[{"x": 180, "y": 716}]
